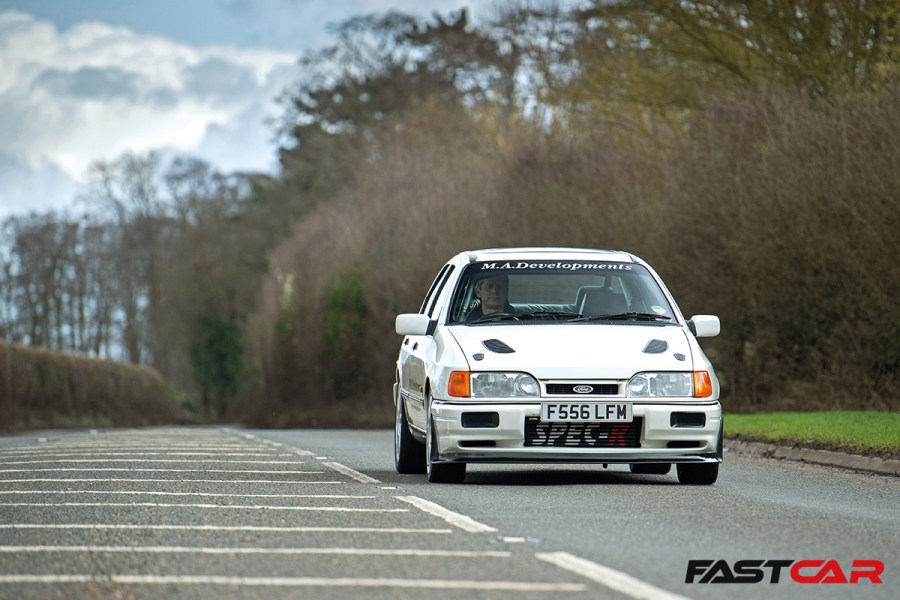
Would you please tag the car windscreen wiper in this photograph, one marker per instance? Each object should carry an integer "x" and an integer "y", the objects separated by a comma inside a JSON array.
[
  {"x": 637, "y": 316},
  {"x": 494, "y": 317},
  {"x": 553, "y": 314}
]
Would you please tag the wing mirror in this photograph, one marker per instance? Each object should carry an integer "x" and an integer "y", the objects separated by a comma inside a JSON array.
[
  {"x": 413, "y": 324},
  {"x": 704, "y": 325}
]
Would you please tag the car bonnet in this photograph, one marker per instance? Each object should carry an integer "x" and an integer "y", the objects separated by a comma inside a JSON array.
[{"x": 575, "y": 351}]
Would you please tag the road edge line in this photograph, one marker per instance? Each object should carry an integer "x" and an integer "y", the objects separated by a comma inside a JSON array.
[
  {"x": 352, "y": 473},
  {"x": 453, "y": 518},
  {"x": 606, "y": 576}
]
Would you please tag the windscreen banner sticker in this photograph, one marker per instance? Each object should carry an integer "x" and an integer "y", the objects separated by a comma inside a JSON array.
[{"x": 554, "y": 266}]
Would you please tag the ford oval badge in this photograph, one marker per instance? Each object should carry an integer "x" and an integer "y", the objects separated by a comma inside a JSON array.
[{"x": 582, "y": 389}]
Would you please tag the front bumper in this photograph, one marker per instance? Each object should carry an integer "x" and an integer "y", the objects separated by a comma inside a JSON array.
[{"x": 659, "y": 440}]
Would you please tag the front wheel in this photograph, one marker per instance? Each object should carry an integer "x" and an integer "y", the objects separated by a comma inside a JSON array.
[
  {"x": 698, "y": 473},
  {"x": 439, "y": 472},
  {"x": 409, "y": 454}
]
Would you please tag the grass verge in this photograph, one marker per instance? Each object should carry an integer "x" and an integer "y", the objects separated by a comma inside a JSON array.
[{"x": 857, "y": 432}]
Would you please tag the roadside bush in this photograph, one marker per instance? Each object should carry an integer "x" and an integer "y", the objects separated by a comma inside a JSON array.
[
  {"x": 783, "y": 218},
  {"x": 41, "y": 388}
]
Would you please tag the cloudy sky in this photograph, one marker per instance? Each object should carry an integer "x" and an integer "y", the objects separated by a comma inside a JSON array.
[{"x": 86, "y": 80}]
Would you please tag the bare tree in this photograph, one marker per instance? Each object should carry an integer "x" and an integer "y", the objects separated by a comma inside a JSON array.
[{"x": 128, "y": 188}]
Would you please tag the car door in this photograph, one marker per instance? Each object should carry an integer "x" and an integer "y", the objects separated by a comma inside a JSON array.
[{"x": 414, "y": 353}]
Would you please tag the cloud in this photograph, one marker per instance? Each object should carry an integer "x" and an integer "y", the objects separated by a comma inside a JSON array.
[
  {"x": 218, "y": 80},
  {"x": 94, "y": 91},
  {"x": 26, "y": 188},
  {"x": 91, "y": 83}
]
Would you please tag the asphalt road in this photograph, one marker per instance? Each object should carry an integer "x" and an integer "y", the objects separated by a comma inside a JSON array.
[{"x": 230, "y": 513}]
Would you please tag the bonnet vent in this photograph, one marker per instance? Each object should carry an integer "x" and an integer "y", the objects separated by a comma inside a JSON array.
[
  {"x": 497, "y": 346},
  {"x": 655, "y": 347}
]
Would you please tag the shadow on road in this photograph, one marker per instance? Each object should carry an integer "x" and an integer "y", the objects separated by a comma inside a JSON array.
[{"x": 534, "y": 476}]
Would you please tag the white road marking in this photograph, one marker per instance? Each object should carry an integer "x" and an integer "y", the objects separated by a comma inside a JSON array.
[
  {"x": 204, "y": 494},
  {"x": 186, "y": 505},
  {"x": 108, "y": 469},
  {"x": 154, "y": 450},
  {"x": 127, "y": 448},
  {"x": 158, "y": 444},
  {"x": 440, "y": 584},
  {"x": 155, "y": 460},
  {"x": 453, "y": 518},
  {"x": 614, "y": 580},
  {"x": 247, "y": 528},
  {"x": 179, "y": 480},
  {"x": 242, "y": 550},
  {"x": 352, "y": 473},
  {"x": 160, "y": 453},
  {"x": 44, "y": 448}
]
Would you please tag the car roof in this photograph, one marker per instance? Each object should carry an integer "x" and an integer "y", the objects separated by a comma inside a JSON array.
[{"x": 541, "y": 253}]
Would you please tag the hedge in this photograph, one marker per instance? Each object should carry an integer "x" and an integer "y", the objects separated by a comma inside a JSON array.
[{"x": 41, "y": 388}]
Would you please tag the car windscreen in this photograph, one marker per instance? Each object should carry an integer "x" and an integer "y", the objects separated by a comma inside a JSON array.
[{"x": 570, "y": 291}]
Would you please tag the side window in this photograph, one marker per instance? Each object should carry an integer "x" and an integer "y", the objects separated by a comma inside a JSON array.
[
  {"x": 463, "y": 299},
  {"x": 434, "y": 284},
  {"x": 437, "y": 293}
]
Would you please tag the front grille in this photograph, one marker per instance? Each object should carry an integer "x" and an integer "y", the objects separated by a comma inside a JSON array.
[
  {"x": 583, "y": 435},
  {"x": 568, "y": 389}
]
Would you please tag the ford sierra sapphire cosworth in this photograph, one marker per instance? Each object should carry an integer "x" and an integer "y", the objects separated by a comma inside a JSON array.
[{"x": 554, "y": 355}]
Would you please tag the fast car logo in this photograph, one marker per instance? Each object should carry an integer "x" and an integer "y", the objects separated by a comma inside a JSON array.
[{"x": 800, "y": 571}]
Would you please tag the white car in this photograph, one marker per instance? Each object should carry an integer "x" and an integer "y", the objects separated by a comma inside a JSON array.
[{"x": 554, "y": 355}]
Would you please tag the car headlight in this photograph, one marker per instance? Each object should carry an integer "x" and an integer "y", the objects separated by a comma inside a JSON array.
[
  {"x": 661, "y": 385},
  {"x": 504, "y": 385}
]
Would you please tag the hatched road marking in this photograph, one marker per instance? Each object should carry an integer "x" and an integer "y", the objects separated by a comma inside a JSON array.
[{"x": 134, "y": 453}]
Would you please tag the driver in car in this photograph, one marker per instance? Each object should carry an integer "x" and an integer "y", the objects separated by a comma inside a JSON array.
[{"x": 493, "y": 292}]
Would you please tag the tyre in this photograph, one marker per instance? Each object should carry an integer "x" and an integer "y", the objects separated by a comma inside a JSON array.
[
  {"x": 409, "y": 454},
  {"x": 439, "y": 472},
  {"x": 698, "y": 473},
  {"x": 650, "y": 468}
]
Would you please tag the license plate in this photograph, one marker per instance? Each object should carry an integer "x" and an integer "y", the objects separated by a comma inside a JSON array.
[{"x": 581, "y": 412}]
